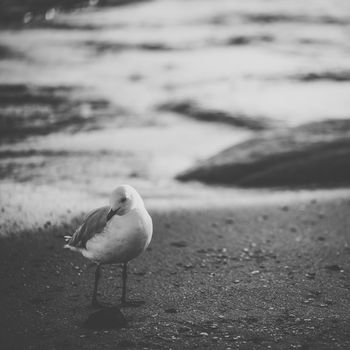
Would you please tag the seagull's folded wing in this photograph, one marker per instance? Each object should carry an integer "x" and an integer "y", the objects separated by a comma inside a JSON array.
[{"x": 93, "y": 224}]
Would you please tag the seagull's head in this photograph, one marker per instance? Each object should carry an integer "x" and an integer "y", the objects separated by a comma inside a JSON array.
[{"x": 122, "y": 200}]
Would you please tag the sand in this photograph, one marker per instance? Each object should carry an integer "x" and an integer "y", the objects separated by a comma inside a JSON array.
[{"x": 246, "y": 276}]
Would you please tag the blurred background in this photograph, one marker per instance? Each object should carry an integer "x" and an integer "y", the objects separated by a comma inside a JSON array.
[{"x": 176, "y": 97}]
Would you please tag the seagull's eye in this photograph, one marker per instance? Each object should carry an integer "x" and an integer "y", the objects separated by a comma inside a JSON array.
[{"x": 123, "y": 200}]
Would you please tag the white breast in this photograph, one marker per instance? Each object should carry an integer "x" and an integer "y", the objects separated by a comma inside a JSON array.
[{"x": 123, "y": 239}]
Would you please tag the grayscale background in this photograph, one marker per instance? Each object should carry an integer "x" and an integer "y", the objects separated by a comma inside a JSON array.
[{"x": 231, "y": 118}]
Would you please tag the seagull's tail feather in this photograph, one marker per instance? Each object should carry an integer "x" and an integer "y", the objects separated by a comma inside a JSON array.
[
  {"x": 74, "y": 249},
  {"x": 68, "y": 239}
]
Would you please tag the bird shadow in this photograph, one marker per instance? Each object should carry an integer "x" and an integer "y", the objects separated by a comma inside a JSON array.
[
  {"x": 110, "y": 317},
  {"x": 106, "y": 318}
]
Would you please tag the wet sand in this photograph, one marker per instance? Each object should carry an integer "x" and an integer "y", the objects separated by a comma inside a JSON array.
[{"x": 247, "y": 276}]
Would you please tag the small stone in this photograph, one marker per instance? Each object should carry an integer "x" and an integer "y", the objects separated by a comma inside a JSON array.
[
  {"x": 139, "y": 273},
  {"x": 255, "y": 272},
  {"x": 205, "y": 334},
  {"x": 171, "y": 310},
  {"x": 333, "y": 267},
  {"x": 310, "y": 275},
  {"x": 188, "y": 266},
  {"x": 179, "y": 244}
]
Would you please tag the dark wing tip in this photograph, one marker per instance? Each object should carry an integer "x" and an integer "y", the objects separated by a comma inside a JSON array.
[{"x": 93, "y": 224}]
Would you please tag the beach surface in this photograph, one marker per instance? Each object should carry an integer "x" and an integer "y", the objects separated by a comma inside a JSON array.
[{"x": 267, "y": 272}]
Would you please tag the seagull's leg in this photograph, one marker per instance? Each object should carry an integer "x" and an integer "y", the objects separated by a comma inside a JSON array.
[
  {"x": 97, "y": 277},
  {"x": 124, "y": 277},
  {"x": 134, "y": 303}
]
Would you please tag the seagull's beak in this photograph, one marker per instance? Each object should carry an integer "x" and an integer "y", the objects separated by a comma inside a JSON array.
[{"x": 111, "y": 213}]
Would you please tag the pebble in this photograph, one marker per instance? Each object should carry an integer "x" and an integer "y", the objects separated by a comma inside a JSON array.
[
  {"x": 333, "y": 267},
  {"x": 307, "y": 301},
  {"x": 179, "y": 244},
  {"x": 171, "y": 310},
  {"x": 310, "y": 275},
  {"x": 188, "y": 266}
]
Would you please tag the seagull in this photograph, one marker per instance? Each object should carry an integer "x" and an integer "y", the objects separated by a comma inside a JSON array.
[{"x": 114, "y": 234}]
